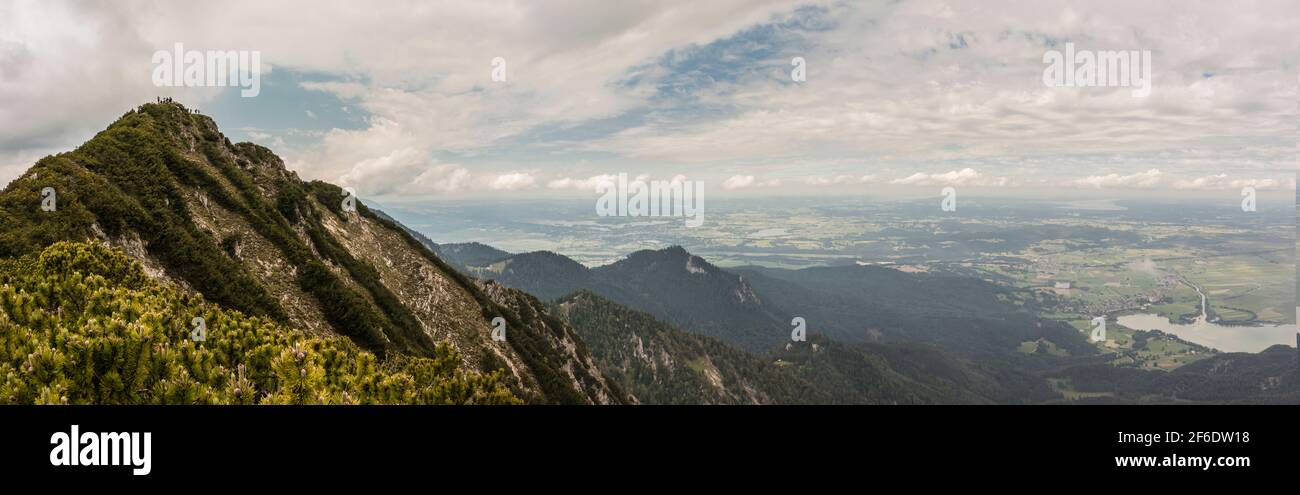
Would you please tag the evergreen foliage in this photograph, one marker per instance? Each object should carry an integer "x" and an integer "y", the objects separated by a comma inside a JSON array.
[{"x": 80, "y": 323}]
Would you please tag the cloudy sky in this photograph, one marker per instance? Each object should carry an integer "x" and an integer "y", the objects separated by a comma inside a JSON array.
[{"x": 397, "y": 100}]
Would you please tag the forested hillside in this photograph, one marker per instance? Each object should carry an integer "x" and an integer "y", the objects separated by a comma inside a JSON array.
[
  {"x": 667, "y": 320},
  {"x": 660, "y": 364}
]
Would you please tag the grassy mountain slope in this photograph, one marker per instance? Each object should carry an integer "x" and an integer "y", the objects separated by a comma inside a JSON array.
[{"x": 228, "y": 221}]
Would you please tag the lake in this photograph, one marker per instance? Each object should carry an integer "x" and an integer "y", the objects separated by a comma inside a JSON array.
[{"x": 1221, "y": 337}]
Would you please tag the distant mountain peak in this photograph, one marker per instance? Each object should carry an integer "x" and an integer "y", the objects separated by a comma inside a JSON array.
[
  {"x": 672, "y": 255},
  {"x": 674, "y": 251}
]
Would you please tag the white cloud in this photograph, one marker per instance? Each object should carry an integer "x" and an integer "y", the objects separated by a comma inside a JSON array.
[
  {"x": 441, "y": 178},
  {"x": 904, "y": 83},
  {"x": 1221, "y": 181},
  {"x": 409, "y": 171},
  {"x": 404, "y": 171},
  {"x": 66, "y": 71},
  {"x": 841, "y": 180},
  {"x": 963, "y": 177},
  {"x": 737, "y": 182},
  {"x": 886, "y": 81},
  {"x": 67, "y": 68},
  {"x": 588, "y": 184},
  {"x": 1142, "y": 180},
  {"x": 514, "y": 181}
]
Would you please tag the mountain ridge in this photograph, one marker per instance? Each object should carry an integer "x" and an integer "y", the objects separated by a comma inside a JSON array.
[{"x": 229, "y": 221}]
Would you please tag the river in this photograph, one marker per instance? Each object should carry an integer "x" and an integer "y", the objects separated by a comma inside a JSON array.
[{"x": 1222, "y": 337}]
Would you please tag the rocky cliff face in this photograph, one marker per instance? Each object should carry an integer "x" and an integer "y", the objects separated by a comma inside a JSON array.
[
  {"x": 546, "y": 332},
  {"x": 230, "y": 222}
]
